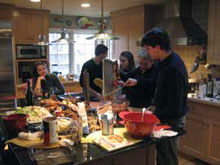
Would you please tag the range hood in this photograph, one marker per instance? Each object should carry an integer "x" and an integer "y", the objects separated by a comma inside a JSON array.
[{"x": 178, "y": 22}]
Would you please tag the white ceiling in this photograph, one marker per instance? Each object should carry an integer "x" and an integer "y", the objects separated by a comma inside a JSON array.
[{"x": 72, "y": 7}]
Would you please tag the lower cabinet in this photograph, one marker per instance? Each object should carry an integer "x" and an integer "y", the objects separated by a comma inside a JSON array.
[{"x": 202, "y": 140}]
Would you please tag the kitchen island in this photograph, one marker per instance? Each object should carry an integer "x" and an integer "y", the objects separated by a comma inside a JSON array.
[
  {"x": 202, "y": 140},
  {"x": 141, "y": 153}
]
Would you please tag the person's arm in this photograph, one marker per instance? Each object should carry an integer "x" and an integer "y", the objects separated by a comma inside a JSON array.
[
  {"x": 59, "y": 88},
  {"x": 96, "y": 94},
  {"x": 37, "y": 88}
]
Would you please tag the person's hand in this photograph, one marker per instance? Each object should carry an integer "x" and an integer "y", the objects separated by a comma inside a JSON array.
[
  {"x": 122, "y": 83},
  {"x": 151, "y": 108},
  {"x": 131, "y": 82},
  {"x": 41, "y": 78}
]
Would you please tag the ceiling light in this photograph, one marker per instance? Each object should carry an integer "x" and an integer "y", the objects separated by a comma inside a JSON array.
[
  {"x": 85, "y": 5},
  {"x": 35, "y": 0},
  {"x": 63, "y": 39},
  {"x": 102, "y": 34},
  {"x": 42, "y": 40}
]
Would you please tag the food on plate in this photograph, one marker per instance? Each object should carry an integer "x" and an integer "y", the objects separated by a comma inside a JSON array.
[
  {"x": 35, "y": 113},
  {"x": 63, "y": 124},
  {"x": 115, "y": 138}
]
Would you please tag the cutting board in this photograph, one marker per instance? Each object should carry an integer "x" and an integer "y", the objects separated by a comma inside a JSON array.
[
  {"x": 37, "y": 143},
  {"x": 108, "y": 77},
  {"x": 119, "y": 140}
]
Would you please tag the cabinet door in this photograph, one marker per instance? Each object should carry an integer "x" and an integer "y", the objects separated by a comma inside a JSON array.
[
  {"x": 214, "y": 32},
  {"x": 34, "y": 27},
  {"x": 136, "y": 30},
  {"x": 213, "y": 146},
  {"x": 21, "y": 27},
  {"x": 120, "y": 29},
  {"x": 193, "y": 142}
]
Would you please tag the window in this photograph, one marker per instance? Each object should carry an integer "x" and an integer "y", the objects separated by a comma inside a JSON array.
[
  {"x": 69, "y": 58},
  {"x": 59, "y": 55}
]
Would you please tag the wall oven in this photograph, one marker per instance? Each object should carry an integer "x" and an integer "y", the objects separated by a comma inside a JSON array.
[{"x": 25, "y": 51}]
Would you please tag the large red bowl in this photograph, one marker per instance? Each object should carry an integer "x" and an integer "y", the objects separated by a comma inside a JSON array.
[
  {"x": 15, "y": 123},
  {"x": 137, "y": 128}
]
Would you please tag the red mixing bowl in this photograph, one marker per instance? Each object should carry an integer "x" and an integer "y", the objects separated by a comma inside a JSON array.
[
  {"x": 15, "y": 123},
  {"x": 140, "y": 129}
]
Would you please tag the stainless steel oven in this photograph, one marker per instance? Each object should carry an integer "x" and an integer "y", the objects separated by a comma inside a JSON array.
[{"x": 25, "y": 51}]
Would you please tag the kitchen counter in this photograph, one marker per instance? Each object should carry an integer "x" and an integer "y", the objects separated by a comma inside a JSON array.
[
  {"x": 142, "y": 153},
  {"x": 70, "y": 86},
  {"x": 205, "y": 100}
]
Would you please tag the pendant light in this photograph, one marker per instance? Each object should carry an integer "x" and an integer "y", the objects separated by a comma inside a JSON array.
[
  {"x": 42, "y": 38},
  {"x": 63, "y": 39},
  {"x": 102, "y": 34}
]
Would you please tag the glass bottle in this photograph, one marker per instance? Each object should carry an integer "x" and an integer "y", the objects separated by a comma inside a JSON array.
[{"x": 29, "y": 94}]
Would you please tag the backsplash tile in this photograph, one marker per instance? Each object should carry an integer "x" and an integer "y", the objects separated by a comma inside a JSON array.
[{"x": 188, "y": 54}]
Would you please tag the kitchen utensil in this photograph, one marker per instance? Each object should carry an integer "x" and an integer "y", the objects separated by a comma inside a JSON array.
[
  {"x": 98, "y": 82},
  {"x": 15, "y": 123},
  {"x": 113, "y": 92},
  {"x": 137, "y": 128},
  {"x": 142, "y": 115}
]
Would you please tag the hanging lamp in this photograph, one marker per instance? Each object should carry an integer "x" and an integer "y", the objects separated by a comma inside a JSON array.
[
  {"x": 63, "y": 39},
  {"x": 102, "y": 34},
  {"x": 42, "y": 38}
]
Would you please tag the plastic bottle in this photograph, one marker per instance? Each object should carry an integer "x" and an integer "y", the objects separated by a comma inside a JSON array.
[{"x": 29, "y": 94}]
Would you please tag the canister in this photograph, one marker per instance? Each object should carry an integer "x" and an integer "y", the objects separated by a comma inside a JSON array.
[{"x": 50, "y": 130}]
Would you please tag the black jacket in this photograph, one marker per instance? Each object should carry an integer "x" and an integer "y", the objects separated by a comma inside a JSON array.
[
  {"x": 142, "y": 94},
  {"x": 171, "y": 90}
]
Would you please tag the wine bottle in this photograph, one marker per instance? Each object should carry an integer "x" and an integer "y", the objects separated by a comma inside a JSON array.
[{"x": 29, "y": 94}]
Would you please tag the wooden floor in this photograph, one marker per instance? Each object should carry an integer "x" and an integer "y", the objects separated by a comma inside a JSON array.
[{"x": 187, "y": 160}]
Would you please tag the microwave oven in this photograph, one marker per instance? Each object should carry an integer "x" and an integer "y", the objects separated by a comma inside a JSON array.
[{"x": 24, "y": 51}]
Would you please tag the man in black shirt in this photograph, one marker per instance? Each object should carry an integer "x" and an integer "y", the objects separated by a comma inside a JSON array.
[
  {"x": 171, "y": 91},
  {"x": 141, "y": 82},
  {"x": 94, "y": 68}
]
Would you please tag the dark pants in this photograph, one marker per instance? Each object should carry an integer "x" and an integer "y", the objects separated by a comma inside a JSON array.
[{"x": 167, "y": 149}]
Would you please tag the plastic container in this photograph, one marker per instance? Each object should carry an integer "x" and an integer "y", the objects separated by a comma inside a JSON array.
[{"x": 137, "y": 128}]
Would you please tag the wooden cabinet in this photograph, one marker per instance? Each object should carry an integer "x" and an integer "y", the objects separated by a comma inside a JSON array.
[
  {"x": 214, "y": 32},
  {"x": 127, "y": 24},
  {"x": 203, "y": 133},
  {"x": 6, "y": 12},
  {"x": 131, "y": 24},
  {"x": 27, "y": 25}
]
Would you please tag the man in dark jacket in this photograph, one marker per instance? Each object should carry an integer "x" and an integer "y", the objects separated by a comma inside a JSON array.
[
  {"x": 141, "y": 82},
  {"x": 94, "y": 68},
  {"x": 171, "y": 91}
]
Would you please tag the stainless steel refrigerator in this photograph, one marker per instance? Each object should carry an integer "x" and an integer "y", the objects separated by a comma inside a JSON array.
[{"x": 7, "y": 76}]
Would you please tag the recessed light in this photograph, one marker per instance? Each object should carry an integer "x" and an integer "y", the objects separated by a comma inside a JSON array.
[
  {"x": 35, "y": 0},
  {"x": 85, "y": 5}
]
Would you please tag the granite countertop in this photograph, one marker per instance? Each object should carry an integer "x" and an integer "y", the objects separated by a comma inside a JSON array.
[{"x": 205, "y": 100}]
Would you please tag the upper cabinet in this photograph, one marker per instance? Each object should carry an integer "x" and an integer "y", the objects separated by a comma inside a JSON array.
[
  {"x": 214, "y": 32},
  {"x": 6, "y": 12},
  {"x": 130, "y": 25},
  {"x": 29, "y": 24}
]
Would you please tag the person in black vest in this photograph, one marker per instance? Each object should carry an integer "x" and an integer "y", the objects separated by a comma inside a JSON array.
[
  {"x": 141, "y": 83},
  {"x": 169, "y": 103},
  {"x": 94, "y": 68},
  {"x": 45, "y": 82}
]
